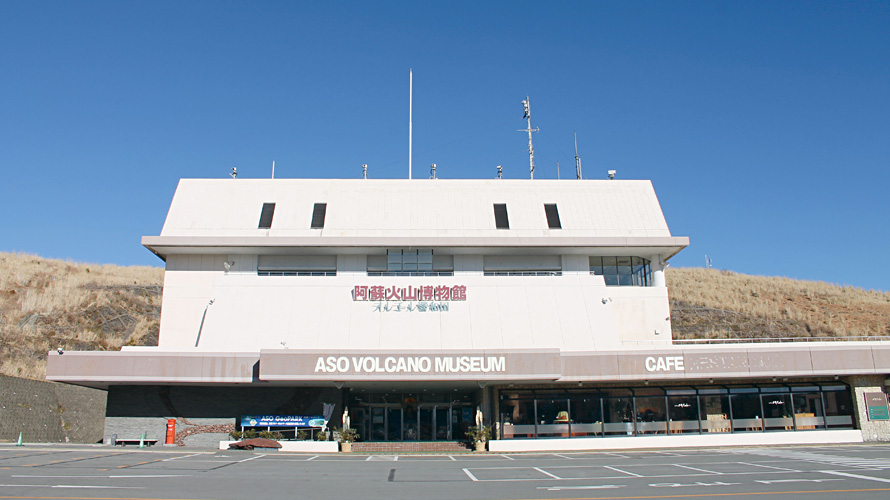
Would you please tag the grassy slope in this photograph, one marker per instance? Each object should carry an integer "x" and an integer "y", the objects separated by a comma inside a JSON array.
[{"x": 47, "y": 303}]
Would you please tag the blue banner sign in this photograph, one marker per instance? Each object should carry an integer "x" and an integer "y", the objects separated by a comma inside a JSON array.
[{"x": 281, "y": 421}]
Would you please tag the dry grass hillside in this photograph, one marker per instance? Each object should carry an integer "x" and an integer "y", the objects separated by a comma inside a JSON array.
[
  {"x": 47, "y": 303},
  {"x": 707, "y": 303}
]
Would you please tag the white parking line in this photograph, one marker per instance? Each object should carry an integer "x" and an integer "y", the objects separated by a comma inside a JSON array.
[
  {"x": 508, "y": 457},
  {"x": 623, "y": 471},
  {"x": 542, "y": 471},
  {"x": 250, "y": 458},
  {"x": 769, "y": 467},
  {"x": 312, "y": 458},
  {"x": 697, "y": 469},
  {"x": 184, "y": 456},
  {"x": 562, "y": 456},
  {"x": 857, "y": 476},
  {"x": 467, "y": 472},
  {"x": 71, "y": 486},
  {"x": 597, "y": 487},
  {"x": 111, "y": 477}
]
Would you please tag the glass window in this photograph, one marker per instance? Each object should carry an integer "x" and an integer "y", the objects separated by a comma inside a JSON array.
[
  {"x": 553, "y": 418},
  {"x": 622, "y": 270},
  {"x": 683, "y": 413},
  {"x": 777, "y": 412},
  {"x": 618, "y": 416},
  {"x": 746, "y": 410},
  {"x": 714, "y": 410},
  {"x": 596, "y": 266},
  {"x": 586, "y": 416},
  {"x": 518, "y": 418},
  {"x": 838, "y": 409},
  {"x": 625, "y": 276},
  {"x": 808, "y": 414},
  {"x": 651, "y": 415}
]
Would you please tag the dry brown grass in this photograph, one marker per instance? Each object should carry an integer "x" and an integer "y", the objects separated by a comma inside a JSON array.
[
  {"x": 47, "y": 303},
  {"x": 707, "y": 303}
]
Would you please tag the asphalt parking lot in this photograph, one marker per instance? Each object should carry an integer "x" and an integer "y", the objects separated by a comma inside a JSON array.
[{"x": 93, "y": 473}]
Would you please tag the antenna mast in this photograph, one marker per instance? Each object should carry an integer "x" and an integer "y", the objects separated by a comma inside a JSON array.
[
  {"x": 527, "y": 109},
  {"x": 410, "y": 116},
  {"x": 577, "y": 158}
]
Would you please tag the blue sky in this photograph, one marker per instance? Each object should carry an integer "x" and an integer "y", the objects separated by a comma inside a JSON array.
[{"x": 764, "y": 126}]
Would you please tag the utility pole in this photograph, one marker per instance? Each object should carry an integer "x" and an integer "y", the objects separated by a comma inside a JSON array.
[{"x": 527, "y": 109}]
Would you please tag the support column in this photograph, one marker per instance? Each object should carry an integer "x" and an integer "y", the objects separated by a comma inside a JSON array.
[{"x": 657, "y": 272}]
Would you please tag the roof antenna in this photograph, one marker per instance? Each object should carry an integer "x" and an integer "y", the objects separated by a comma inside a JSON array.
[
  {"x": 273, "y": 169},
  {"x": 410, "y": 116},
  {"x": 500, "y": 172},
  {"x": 234, "y": 172},
  {"x": 577, "y": 158},
  {"x": 527, "y": 110},
  {"x": 364, "y": 170},
  {"x": 433, "y": 171}
]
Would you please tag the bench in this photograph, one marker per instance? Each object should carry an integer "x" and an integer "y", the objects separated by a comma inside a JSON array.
[{"x": 125, "y": 442}]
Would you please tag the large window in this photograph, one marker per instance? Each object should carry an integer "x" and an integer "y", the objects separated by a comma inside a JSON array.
[
  {"x": 416, "y": 262},
  {"x": 622, "y": 271},
  {"x": 529, "y": 414}
]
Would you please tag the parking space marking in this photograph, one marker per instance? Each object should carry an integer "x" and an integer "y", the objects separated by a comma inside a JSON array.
[
  {"x": 768, "y": 467},
  {"x": 623, "y": 471},
  {"x": 507, "y": 457},
  {"x": 857, "y": 476},
  {"x": 467, "y": 472},
  {"x": 112, "y": 476},
  {"x": 697, "y": 469},
  {"x": 597, "y": 487},
  {"x": 542, "y": 471}
]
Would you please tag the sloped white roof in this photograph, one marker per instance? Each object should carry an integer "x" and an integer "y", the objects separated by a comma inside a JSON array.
[{"x": 415, "y": 208}]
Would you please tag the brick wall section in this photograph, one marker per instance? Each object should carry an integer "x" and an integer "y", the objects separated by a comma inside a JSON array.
[
  {"x": 47, "y": 412},
  {"x": 871, "y": 431},
  {"x": 403, "y": 447}
]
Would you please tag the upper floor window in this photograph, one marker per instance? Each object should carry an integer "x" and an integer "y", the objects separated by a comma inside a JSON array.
[
  {"x": 552, "y": 214},
  {"x": 266, "y": 216},
  {"x": 400, "y": 262},
  {"x": 318, "y": 213},
  {"x": 501, "y": 221},
  {"x": 622, "y": 271}
]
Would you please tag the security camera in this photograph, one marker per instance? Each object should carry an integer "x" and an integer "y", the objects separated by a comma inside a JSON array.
[
  {"x": 611, "y": 174},
  {"x": 60, "y": 350}
]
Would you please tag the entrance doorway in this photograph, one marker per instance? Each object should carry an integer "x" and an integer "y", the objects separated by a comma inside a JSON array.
[{"x": 411, "y": 416}]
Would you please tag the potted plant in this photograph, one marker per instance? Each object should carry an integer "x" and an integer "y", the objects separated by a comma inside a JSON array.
[
  {"x": 347, "y": 437},
  {"x": 479, "y": 435}
]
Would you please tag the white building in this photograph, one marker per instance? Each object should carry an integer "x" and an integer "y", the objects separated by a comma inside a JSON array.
[{"x": 413, "y": 303}]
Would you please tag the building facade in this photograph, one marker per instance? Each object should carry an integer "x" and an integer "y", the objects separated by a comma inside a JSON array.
[{"x": 415, "y": 303}]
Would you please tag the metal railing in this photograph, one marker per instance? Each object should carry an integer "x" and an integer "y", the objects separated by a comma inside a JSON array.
[{"x": 761, "y": 340}]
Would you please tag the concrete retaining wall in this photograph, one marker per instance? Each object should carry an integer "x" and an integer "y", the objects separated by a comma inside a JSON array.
[{"x": 47, "y": 412}]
